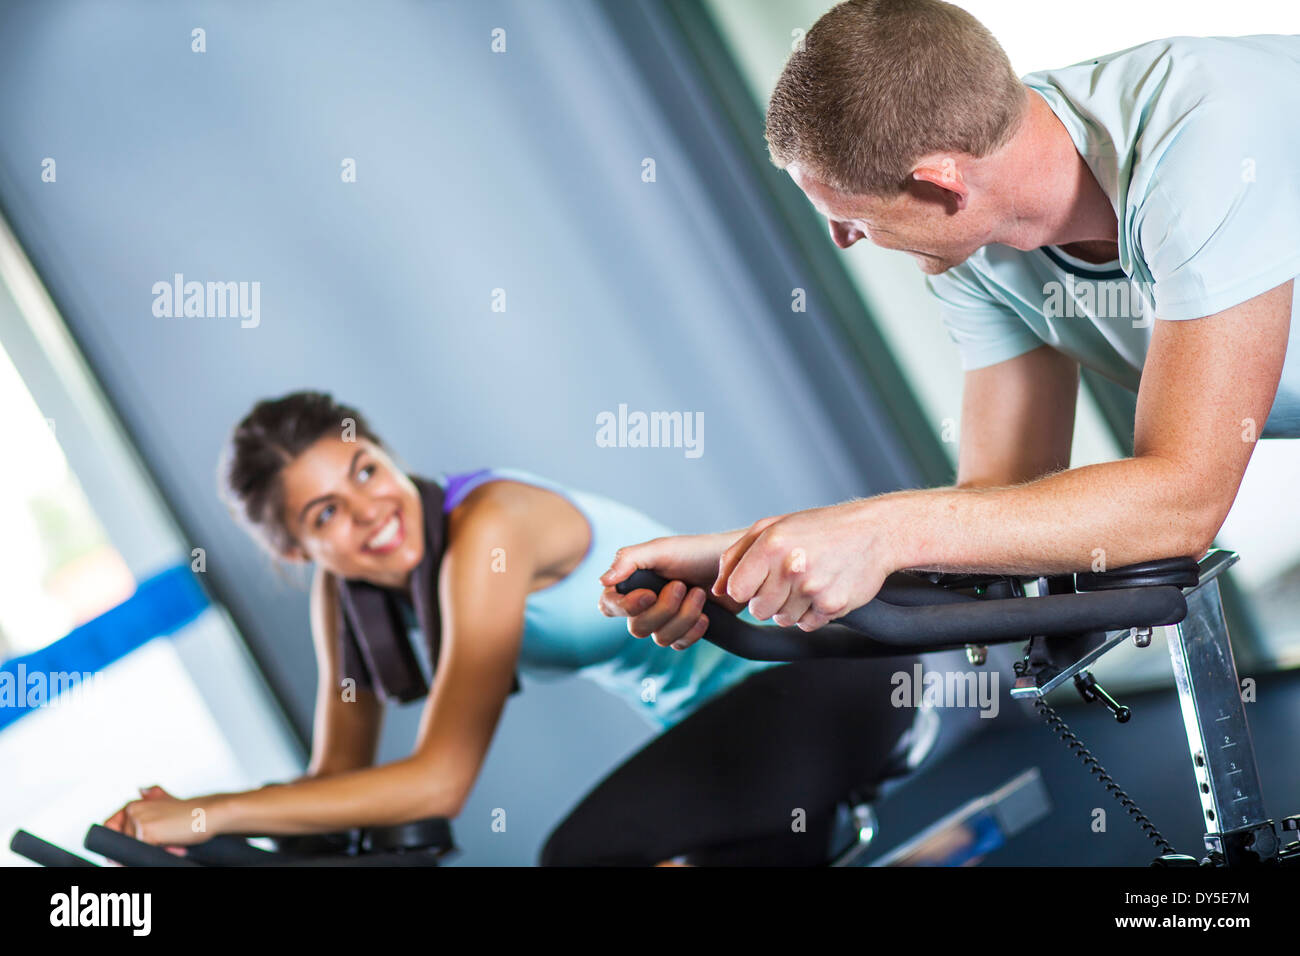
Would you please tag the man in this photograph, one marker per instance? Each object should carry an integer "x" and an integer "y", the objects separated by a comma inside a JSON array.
[{"x": 1167, "y": 174}]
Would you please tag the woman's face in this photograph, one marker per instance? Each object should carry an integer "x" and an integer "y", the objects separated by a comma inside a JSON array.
[{"x": 353, "y": 512}]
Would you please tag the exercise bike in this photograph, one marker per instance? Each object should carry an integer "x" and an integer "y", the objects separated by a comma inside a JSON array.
[{"x": 1067, "y": 624}]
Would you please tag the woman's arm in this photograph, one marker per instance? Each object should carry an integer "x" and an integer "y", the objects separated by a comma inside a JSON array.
[
  {"x": 345, "y": 731},
  {"x": 482, "y": 615}
]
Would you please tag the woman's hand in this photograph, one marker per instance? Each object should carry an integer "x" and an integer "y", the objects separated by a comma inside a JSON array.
[
  {"x": 809, "y": 567},
  {"x": 159, "y": 818},
  {"x": 690, "y": 563}
]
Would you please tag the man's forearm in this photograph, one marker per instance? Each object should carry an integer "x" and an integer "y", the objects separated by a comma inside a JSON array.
[{"x": 1106, "y": 515}]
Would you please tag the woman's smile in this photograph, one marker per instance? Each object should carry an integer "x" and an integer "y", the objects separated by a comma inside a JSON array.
[{"x": 389, "y": 537}]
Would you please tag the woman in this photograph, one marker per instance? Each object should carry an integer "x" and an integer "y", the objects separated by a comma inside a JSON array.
[{"x": 499, "y": 570}]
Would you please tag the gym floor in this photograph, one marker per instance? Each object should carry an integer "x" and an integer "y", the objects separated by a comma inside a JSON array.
[{"x": 1147, "y": 757}]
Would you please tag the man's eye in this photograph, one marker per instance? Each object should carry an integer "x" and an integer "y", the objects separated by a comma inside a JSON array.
[{"x": 324, "y": 515}]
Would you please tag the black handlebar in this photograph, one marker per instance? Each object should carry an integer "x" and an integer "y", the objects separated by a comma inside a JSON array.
[
  {"x": 418, "y": 843},
  {"x": 912, "y": 615},
  {"x": 45, "y": 853},
  {"x": 129, "y": 851}
]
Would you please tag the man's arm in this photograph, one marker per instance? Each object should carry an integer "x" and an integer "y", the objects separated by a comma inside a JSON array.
[
  {"x": 1017, "y": 420},
  {"x": 1206, "y": 391}
]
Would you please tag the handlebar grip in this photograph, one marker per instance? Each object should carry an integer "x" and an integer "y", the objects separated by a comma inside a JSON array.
[
  {"x": 129, "y": 851},
  {"x": 767, "y": 643},
  {"x": 45, "y": 853},
  {"x": 930, "y": 618}
]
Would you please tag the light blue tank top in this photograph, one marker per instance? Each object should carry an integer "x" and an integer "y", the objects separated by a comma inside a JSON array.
[{"x": 565, "y": 633}]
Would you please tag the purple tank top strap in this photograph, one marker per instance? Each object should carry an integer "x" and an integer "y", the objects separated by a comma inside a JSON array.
[{"x": 458, "y": 486}]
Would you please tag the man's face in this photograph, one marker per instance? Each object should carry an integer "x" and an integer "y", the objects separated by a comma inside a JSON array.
[{"x": 926, "y": 221}]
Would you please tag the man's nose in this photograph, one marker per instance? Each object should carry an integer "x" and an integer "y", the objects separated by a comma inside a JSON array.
[{"x": 843, "y": 234}]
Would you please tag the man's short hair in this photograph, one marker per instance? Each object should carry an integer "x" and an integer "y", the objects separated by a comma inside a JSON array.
[{"x": 878, "y": 84}]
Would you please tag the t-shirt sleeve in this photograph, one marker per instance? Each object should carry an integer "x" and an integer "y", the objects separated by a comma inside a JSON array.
[
  {"x": 985, "y": 331},
  {"x": 1220, "y": 221}
]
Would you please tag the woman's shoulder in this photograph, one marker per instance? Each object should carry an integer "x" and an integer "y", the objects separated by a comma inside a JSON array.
[
  {"x": 504, "y": 495},
  {"x": 498, "y": 486},
  {"x": 535, "y": 512}
]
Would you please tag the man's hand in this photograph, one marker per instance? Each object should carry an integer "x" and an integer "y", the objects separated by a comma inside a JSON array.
[
  {"x": 690, "y": 563},
  {"x": 810, "y": 567}
]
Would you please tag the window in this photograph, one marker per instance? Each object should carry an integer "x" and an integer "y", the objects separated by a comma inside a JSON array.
[
  {"x": 57, "y": 567},
  {"x": 86, "y": 534}
]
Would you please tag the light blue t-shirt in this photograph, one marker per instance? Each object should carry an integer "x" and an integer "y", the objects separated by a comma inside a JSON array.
[
  {"x": 1197, "y": 143},
  {"x": 565, "y": 633}
]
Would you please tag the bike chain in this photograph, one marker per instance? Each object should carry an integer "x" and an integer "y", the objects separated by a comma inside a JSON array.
[{"x": 1072, "y": 741}]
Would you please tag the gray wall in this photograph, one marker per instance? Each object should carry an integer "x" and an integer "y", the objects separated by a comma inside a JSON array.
[{"x": 476, "y": 171}]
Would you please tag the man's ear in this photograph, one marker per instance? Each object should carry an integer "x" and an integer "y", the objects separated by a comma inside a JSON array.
[{"x": 942, "y": 172}]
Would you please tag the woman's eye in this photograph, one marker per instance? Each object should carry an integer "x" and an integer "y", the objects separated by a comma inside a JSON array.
[
  {"x": 365, "y": 473},
  {"x": 324, "y": 515}
]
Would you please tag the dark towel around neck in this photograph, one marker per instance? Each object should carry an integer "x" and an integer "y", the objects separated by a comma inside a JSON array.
[{"x": 376, "y": 649}]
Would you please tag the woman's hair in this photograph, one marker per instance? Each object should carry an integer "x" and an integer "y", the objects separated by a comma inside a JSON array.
[
  {"x": 270, "y": 437},
  {"x": 878, "y": 84}
]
